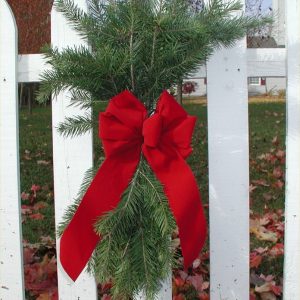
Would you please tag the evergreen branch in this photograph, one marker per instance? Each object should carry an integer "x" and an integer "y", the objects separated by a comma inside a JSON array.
[
  {"x": 131, "y": 52},
  {"x": 120, "y": 250},
  {"x": 87, "y": 27},
  {"x": 148, "y": 284},
  {"x": 143, "y": 46},
  {"x": 70, "y": 211},
  {"x": 74, "y": 126},
  {"x": 80, "y": 98}
]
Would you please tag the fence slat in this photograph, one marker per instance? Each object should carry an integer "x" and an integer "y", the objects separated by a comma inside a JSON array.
[
  {"x": 71, "y": 158},
  {"x": 11, "y": 260},
  {"x": 261, "y": 62},
  {"x": 228, "y": 173},
  {"x": 291, "y": 284}
]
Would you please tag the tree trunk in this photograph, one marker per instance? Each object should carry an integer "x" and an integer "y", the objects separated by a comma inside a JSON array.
[{"x": 179, "y": 92}]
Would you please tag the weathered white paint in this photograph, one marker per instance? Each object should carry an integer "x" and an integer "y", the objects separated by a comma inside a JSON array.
[
  {"x": 71, "y": 158},
  {"x": 228, "y": 173},
  {"x": 30, "y": 66},
  {"x": 11, "y": 262},
  {"x": 291, "y": 284}
]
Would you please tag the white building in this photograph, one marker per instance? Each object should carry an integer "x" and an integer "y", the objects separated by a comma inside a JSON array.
[{"x": 261, "y": 85}]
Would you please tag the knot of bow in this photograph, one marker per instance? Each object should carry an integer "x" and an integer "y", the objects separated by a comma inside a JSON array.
[{"x": 164, "y": 139}]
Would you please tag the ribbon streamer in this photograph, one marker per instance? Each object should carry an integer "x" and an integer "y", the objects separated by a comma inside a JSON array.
[{"x": 164, "y": 139}]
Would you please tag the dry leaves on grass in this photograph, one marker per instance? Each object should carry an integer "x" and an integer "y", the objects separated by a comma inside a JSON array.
[
  {"x": 193, "y": 284},
  {"x": 269, "y": 227},
  {"x": 40, "y": 269}
]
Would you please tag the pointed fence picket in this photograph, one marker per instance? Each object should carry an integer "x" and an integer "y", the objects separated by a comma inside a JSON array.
[
  {"x": 291, "y": 284},
  {"x": 228, "y": 160},
  {"x": 71, "y": 158},
  {"x": 11, "y": 264}
]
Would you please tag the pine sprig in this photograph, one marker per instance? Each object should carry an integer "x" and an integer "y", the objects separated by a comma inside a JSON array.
[
  {"x": 139, "y": 230},
  {"x": 74, "y": 126},
  {"x": 143, "y": 46},
  {"x": 136, "y": 248},
  {"x": 70, "y": 211},
  {"x": 80, "y": 98}
]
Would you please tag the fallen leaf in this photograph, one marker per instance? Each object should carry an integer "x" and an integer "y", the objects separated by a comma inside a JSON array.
[
  {"x": 252, "y": 297},
  {"x": 196, "y": 281},
  {"x": 24, "y": 196},
  {"x": 39, "y": 205},
  {"x": 261, "y": 250},
  {"x": 268, "y": 278},
  {"x": 205, "y": 285},
  {"x": 270, "y": 158},
  {"x": 52, "y": 295},
  {"x": 43, "y": 162},
  {"x": 267, "y": 296},
  {"x": 277, "y": 172},
  {"x": 252, "y": 188},
  {"x": 179, "y": 281},
  {"x": 37, "y": 216},
  {"x": 267, "y": 196},
  {"x": 183, "y": 275},
  {"x": 179, "y": 297},
  {"x": 280, "y": 154},
  {"x": 261, "y": 182},
  {"x": 275, "y": 141},
  {"x": 261, "y": 232},
  {"x": 196, "y": 263},
  {"x": 26, "y": 209},
  {"x": 255, "y": 279},
  {"x": 255, "y": 260},
  {"x": 276, "y": 289},
  {"x": 278, "y": 184},
  {"x": 203, "y": 296},
  {"x": 266, "y": 287},
  {"x": 48, "y": 240},
  {"x": 277, "y": 250},
  {"x": 27, "y": 155},
  {"x": 28, "y": 254}
]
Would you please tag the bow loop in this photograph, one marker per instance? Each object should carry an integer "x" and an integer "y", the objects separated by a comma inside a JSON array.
[
  {"x": 152, "y": 129},
  {"x": 128, "y": 110}
]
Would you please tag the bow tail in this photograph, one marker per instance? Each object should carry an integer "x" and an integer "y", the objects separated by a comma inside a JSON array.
[
  {"x": 184, "y": 198},
  {"x": 79, "y": 238}
]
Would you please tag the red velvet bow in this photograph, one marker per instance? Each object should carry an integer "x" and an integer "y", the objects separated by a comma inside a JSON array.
[{"x": 164, "y": 138}]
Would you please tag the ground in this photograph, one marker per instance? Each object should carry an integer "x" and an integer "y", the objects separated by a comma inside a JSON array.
[{"x": 267, "y": 163}]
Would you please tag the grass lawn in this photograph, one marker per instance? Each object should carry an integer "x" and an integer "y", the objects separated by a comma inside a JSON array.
[{"x": 267, "y": 148}]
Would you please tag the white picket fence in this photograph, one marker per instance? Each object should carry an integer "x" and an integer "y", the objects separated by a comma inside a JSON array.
[{"x": 228, "y": 140}]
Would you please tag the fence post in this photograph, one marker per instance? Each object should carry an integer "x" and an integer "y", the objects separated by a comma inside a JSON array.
[
  {"x": 228, "y": 153},
  {"x": 11, "y": 258},
  {"x": 71, "y": 158},
  {"x": 291, "y": 284}
]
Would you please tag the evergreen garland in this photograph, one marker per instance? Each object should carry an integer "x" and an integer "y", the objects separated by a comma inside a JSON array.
[{"x": 145, "y": 47}]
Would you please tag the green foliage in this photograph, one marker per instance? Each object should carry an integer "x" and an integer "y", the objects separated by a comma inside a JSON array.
[
  {"x": 145, "y": 47},
  {"x": 136, "y": 248},
  {"x": 69, "y": 213},
  {"x": 73, "y": 126}
]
